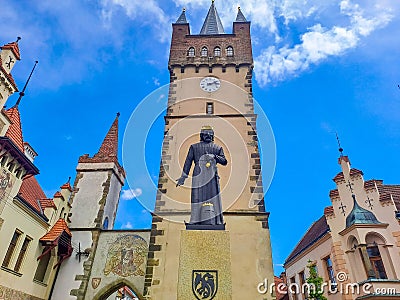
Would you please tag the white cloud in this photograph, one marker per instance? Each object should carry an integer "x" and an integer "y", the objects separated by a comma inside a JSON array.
[
  {"x": 147, "y": 12},
  {"x": 131, "y": 194},
  {"x": 127, "y": 225},
  {"x": 318, "y": 43}
]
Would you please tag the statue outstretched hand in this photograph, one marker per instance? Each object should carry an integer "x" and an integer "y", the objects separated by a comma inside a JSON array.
[{"x": 180, "y": 181}]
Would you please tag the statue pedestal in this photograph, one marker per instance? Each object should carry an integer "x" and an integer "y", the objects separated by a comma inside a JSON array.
[
  {"x": 205, "y": 265},
  {"x": 204, "y": 227}
]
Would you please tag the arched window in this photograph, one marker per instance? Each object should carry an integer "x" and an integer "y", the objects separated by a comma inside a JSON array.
[
  {"x": 105, "y": 223},
  {"x": 229, "y": 51},
  {"x": 376, "y": 261},
  {"x": 191, "y": 52},
  {"x": 217, "y": 51},
  {"x": 204, "y": 52}
]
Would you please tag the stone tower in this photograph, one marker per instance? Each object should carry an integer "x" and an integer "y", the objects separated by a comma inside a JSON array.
[
  {"x": 97, "y": 188},
  {"x": 210, "y": 84}
]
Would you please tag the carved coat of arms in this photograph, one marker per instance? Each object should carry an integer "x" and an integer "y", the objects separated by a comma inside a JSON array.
[{"x": 204, "y": 284}]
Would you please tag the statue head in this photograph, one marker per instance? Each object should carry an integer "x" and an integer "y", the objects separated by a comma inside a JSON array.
[{"x": 207, "y": 134}]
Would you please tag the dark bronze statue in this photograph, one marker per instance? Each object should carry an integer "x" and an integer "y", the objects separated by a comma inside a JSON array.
[{"x": 206, "y": 202}]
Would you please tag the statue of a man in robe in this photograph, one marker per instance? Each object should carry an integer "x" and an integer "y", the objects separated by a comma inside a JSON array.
[{"x": 206, "y": 208}]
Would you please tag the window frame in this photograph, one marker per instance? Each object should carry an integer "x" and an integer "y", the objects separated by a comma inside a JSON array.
[
  {"x": 191, "y": 52},
  {"x": 217, "y": 51},
  {"x": 229, "y": 51},
  {"x": 22, "y": 253},
  {"x": 204, "y": 51},
  {"x": 209, "y": 105},
  {"x": 11, "y": 249}
]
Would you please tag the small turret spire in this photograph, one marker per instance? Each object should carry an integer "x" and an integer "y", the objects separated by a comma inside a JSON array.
[
  {"x": 240, "y": 17},
  {"x": 22, "y": 93},
  {"x": 182, "y": 18},
  {"x": 109, "y": 147},
  {"x": 212, "y": 23}
]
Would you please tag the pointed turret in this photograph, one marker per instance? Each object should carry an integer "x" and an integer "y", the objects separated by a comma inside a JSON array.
[
  {"x": 109, "y": 148},
  {"x": 14, "y": 131},
  {"x": 240, "y": 17},
  {"x": 182, "y": 18},
  {"x": 212, "y": 23}
]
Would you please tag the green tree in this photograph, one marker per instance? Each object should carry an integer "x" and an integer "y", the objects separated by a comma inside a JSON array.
[{"x": 315, "y": 281}]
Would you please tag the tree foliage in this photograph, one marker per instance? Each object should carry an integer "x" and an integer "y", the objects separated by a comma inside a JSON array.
[{"x": 316, "y": 291}]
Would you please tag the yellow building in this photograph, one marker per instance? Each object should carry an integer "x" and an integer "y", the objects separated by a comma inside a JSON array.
[
  {"x": 34, "y": 234},
  {"x": 355, "y": 245}
]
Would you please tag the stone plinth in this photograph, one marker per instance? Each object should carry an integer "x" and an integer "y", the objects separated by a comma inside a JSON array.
[{"x": 205, "y": 254}]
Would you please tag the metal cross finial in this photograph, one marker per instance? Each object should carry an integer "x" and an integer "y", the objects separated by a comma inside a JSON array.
[
  {"x": 340, "y": 148},
  {"x": 18, "y": 38},
  {"x": 350, "y": 186},
  {"x": 368, "y": 201},
  {"x": 342, "y": 207}
]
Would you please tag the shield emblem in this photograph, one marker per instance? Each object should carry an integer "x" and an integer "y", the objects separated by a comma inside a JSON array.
[
  {"x": 204, "y": 284},
  {"x": 96, "y": 282}
]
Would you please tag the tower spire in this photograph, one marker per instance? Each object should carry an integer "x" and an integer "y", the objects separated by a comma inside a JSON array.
[
  {"x": 182, "y": 18},
  {"x": 109, "y": 147},
  {"x": 212, "y": 23},
  {"x": 22, "y": 93},
  {"x": 240, "y": 17}
]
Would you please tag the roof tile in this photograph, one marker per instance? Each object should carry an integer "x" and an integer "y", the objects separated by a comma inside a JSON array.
[
  {"x": 317, "y": 230},
  {"x": 14, "y": 132},
  {"x": 58, "y": 228},
  {"x": 31, "y": 192}
]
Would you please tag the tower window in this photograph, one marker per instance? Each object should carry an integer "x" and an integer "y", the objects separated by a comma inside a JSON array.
[
  {"x": 376, "y": 261},
  {"x": 210, "y": 108},
  {"x": 11, "y": 249},
  {"x": 204, "y": 52},
  {"x": 229, "y": 51},
  {"x": 217, "y": 51},
  {"x": 191, "y": 52},
  {"x": 105, "y": 223},
  {"x": 22, "y": 254}
]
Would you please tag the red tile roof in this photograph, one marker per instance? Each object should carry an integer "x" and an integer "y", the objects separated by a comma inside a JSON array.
[
  {"x": 13, "y": 46},
  {"x": 333, "y": 193},
  {"x": 14, "y": 132},
  {"x": 58, "y": 228},
  {"x": 356, "y": 172},
  {"x": 31, "y": 192},
  {"x": 339, "y": 176},
  {"x": 47, "y": 203},
  {"x": 329, "y": 210},
  {"x": 385, "y": 190},
  {"x": 58, "y": 195},
  {"x": 317, "y": 230},
  {"x": 66, "y": 186}
]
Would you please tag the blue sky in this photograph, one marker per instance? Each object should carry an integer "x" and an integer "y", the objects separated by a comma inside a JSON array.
[{"x": 319, "y": 68}]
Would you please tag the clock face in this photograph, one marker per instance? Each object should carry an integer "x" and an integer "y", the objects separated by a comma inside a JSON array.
[{"x": 210, "y": 84}]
